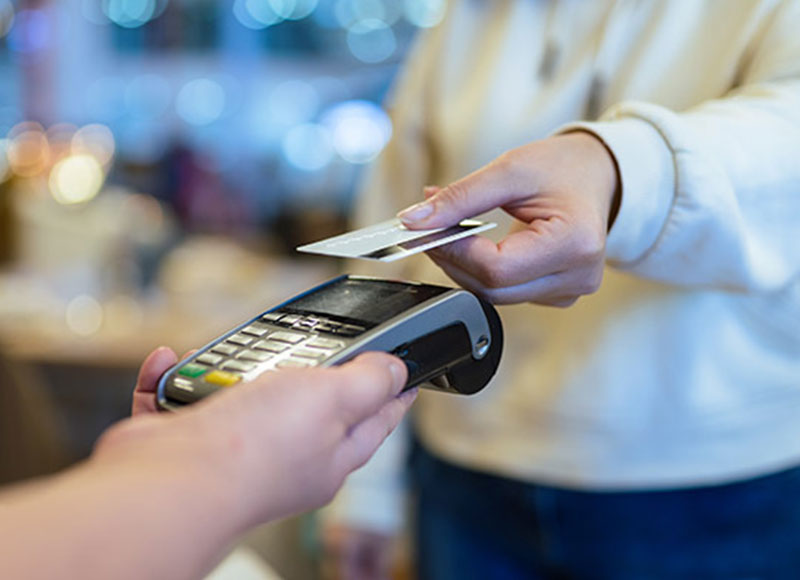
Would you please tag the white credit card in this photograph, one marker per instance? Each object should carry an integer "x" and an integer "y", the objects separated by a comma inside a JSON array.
[{"x": 391, "y": 240}]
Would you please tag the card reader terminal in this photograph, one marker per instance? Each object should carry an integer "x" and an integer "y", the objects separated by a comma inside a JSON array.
[{"x": 449, "y": 339}]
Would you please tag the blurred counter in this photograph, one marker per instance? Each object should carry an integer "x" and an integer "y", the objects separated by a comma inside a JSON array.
[{"x": 203, "y": 287}]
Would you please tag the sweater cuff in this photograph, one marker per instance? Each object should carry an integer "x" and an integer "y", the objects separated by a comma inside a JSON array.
[{"x": 647, "y": 181}]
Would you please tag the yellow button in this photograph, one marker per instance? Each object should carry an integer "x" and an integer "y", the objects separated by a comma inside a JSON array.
[{"x": 222, "y": 378}]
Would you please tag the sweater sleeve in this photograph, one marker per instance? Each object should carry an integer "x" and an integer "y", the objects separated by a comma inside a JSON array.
[{"x": 711, "y": 195}]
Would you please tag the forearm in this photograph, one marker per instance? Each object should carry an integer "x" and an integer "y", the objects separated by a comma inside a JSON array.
[{"x": 111, "y": 517}]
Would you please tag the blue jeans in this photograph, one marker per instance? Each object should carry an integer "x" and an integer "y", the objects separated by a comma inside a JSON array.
[{"x": 474, "y": 525}]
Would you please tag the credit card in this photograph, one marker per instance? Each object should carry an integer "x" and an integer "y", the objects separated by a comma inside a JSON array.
[{"x": 391, "y": 240}]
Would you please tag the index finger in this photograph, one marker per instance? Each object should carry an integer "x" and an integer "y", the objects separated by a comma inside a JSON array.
[{"x": 497, "y": 184}]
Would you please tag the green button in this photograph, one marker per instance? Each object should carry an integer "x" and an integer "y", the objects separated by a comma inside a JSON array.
[{"x": 192, "y": 370}]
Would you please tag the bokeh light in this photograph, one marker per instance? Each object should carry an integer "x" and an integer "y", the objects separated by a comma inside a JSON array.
[
  {"x": 132, "y": 13},
  {"x": 359, "y": 130},
  {"x": 84, "y": 315},
  {"x": 201, "y": 102},
  {"x": 293, "y": 9},
  {"x": 29, "y": 150},
  {"x": 350, "y": 11},
  {"x": 255, "y": 14},
  {"x": 258, "y": 14},
  {"x": 371, "y": 40},
  {"x": 273, "y": 110},
  {"x": 59, "y": 137},
  {"x": 308, "y": 147},
  {"x": 76, "y": 179},
  {"x": 97, "y": 141},
  {"x": 6, "y": 17},
  {"x": 425, "y": 13}
]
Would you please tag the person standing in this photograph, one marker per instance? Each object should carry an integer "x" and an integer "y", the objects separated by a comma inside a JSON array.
[{"x": 643, "y": 152}]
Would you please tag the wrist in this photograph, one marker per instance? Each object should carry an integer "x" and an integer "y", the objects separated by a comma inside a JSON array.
[
  {"x": 605, "y": 172},
  {"x": 184, "y": 464}
]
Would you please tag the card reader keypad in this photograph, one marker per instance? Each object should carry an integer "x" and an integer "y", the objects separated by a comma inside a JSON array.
[{"x": 276, "y": 341}]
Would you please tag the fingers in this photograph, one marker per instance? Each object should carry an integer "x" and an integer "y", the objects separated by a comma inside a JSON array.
[
  {"x": 544, "y": 248},
  {"x": 559, "y": 289},
  {"x": 364, "y": 385},
  {"x": 156, "y": 363},
  {"x": 494, "y": 185},
  {"x": 363, "y": 440},
  {"x": 521, "y": 257}
]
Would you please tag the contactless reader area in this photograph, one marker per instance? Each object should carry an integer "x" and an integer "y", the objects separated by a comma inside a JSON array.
[{"x": 449, "y": 339}]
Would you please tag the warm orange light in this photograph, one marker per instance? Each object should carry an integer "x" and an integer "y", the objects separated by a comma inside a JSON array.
[{"x": 28, "y": 149}]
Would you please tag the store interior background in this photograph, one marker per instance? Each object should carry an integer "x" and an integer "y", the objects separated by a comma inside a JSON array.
[{"x": 159, "y": 161}]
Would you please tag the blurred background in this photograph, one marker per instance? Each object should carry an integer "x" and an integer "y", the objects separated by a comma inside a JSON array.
[{"x": 159, "y": 161}]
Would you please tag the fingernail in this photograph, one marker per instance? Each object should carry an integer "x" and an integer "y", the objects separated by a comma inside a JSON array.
[
  {"x": 416, "y": 212},
  {"x": 429, "y": 190},
  {"x": 409, "y": 394},
  {"x": 398, "y": 376}
]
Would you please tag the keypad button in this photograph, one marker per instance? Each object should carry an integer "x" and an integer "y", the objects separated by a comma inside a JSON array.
[
  {"x": 192, "y": 370},
  {"x": 328, "y": 326},
  {"x": 272, "y": 316},
  {"x": 271, "y": 346},
  {"x": 324, "y": 343},
  {"x": 226, "y": 349},
  {"x": 292, "y": 363},
  {"x": 289, "y": 337},
  {"x": 241, "y": 339},
  {"x": 256, "y": 329},
  {"x": 183, "y": 384},
  {"x": 290, "y": 319},
  {"x": 307, "y": 323},
  {"x": 238, "y": 365},
  {"x": 222, "y": 378},
  {"x": 254, "y": 355},
  {"x": 209, "y": 358},
  {"x": 308, "y": 353}
]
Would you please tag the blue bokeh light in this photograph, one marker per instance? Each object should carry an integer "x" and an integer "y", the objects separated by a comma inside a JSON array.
[
  {"x": 308, "y": 147},
  {"x": 371, "y": 40},
  {"x": 359, "y": 129},
  {"x": 201, "y": 102}
]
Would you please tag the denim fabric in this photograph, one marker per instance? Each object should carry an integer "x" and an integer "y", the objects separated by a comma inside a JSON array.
[{"x": 474, "y": 525}]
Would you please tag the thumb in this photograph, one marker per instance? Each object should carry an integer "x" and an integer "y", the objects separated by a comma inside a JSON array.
[{"x": 487, "y": 188}]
